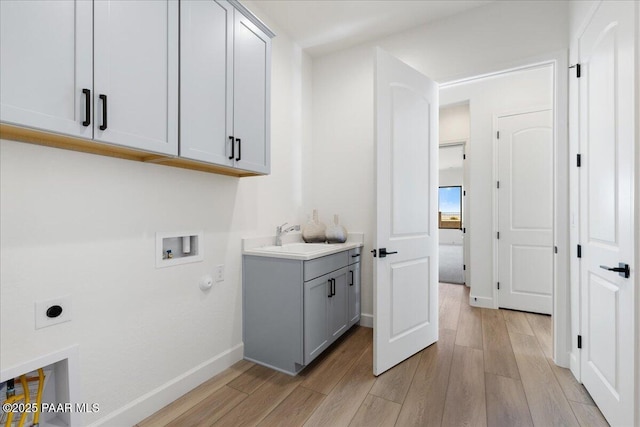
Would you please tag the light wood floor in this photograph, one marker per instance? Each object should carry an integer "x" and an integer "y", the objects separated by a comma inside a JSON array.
[{"x": 489, "y": 368}]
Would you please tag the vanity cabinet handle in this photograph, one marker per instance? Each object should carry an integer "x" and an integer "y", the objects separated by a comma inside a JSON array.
[
  {"x": 351, "y": 271},
  {"x": 239, "y": 149},
  {"x": 330, "y": 288}
]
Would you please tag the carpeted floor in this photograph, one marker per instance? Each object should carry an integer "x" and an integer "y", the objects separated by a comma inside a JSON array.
[{"x": 450, "y": 268}]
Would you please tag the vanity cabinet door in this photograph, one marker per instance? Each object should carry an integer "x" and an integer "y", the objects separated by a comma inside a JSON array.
[
  {"x": 338, "y": 310},
  {"x": 317, "y": 294}
]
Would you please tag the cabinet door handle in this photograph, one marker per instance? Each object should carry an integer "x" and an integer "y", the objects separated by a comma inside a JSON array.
[
  {"x": 103, "y": 126},
  {"x": 351, "y": 271},
  {"x": 233, "y": 149},
  {"x": 330, "y": 288},
  {"x": 333, "y": 286},
  {"x": 239, "y": 149},
  {"x": 87, "y": 107}
]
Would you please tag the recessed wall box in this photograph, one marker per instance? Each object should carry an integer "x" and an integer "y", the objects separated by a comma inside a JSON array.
[{"x": 178, "y": 248}]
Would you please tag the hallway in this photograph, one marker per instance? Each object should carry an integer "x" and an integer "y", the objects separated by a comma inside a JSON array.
[{"x": 490, "y": 367}]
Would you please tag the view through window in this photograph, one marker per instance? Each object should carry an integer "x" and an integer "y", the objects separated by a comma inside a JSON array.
[{"x": 450, "y": 207}]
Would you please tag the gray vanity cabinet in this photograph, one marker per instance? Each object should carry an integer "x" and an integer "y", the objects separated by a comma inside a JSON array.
[
  {"x": 353, "y": 289},
  {"x": 293, "y": 309}
]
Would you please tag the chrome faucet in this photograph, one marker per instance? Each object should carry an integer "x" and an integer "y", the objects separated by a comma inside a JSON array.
[{"x": 280, "y": 231}]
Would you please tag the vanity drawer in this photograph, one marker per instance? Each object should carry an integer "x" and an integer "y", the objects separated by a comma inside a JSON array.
[
  {"x": 319, "y": 266},
  {"x": 354, "y": 255}
]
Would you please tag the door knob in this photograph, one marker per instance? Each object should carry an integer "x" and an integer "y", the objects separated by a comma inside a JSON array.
[
  {"x": 384, "y": 253},
  {"x": 622, "y": 269}
]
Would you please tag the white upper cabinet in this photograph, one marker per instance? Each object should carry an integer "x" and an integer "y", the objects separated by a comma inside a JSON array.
[
  {"x": 46, "y": 54},
  {"x": 136, "y": 74},
  {"x": 224, "y": 86},
  {"x": 251, "y": 87},
  {"x": 206, "y": 81}
]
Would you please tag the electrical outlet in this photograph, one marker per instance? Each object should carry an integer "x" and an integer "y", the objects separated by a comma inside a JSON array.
[
  {"x": 220, "y": 273},
  {"x": 53, "y": 311}
]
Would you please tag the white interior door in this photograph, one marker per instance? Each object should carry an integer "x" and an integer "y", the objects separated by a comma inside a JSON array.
[
  {"x": 405, "y": 291},
  {"x": 525, "y": 211},
  {"x": 606, "y": 52}
]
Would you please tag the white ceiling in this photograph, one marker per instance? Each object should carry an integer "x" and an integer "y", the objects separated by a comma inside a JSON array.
[{"x": 323, "y": 26}]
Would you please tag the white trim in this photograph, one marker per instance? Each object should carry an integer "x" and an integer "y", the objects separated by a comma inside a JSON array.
[
  {"x": 139, "y": 409},
  {"x": 366, "y": 320},
  {"x": 484, "y": 302}
]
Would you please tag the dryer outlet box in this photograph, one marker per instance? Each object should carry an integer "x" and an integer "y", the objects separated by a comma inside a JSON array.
[{"x": 53, "y": 311}]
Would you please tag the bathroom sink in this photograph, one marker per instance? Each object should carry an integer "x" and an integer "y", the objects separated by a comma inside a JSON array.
[{"x": 296, "y": 249}]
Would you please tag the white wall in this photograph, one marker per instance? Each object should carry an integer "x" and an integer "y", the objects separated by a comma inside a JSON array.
[
  {"x": 454, "y": 123},
  {"x": 483, "y": 39},
  {"x": 83, "y": 225}
]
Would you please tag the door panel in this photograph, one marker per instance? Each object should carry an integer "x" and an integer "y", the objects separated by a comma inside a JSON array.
[
  {"x": 525, "y": 211},
  {"x": 251, "y": 50},
  {"x": 406, "y": 283},
  {"x": 206, "y": 81},
  {"x": 607, "y": 114},
  {"x": 409, "y": 154},
  {"x": 338, "y": 310},
  {"x": 46, "y": 63},
  {"x": 316, "y": 321},
  {"x": 136, "y": 67},
  {"x": 409, "y": 297}
]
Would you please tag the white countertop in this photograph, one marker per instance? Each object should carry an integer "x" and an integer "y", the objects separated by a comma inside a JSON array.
[{"x": 293, "y": 247}]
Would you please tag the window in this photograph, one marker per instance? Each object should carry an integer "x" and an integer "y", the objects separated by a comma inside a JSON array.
[{"x": 450, "y": 207}]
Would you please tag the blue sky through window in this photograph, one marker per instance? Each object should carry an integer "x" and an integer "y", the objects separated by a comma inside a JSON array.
[{"x": 449, "y": 200}]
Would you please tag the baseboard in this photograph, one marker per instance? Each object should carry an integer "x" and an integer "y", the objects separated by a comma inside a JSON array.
[
  {"x": 157, "y": 399},
  {"x": 483, "y": 302},
  {"x": 366, "y": 320}
]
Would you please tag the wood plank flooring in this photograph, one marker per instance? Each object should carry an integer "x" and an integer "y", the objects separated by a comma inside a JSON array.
[{"x": 489, "y": 368}]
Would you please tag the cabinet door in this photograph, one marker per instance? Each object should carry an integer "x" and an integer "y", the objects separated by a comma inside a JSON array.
[
  {"x": 46, "y": 51},
  {"x": 317, "y": 294},
  {"x": 354, "y": 294},
  {"x": 251, "y": 86},
  {"x": 206, "y": 81},
  {"x": 338, "y": 310},
  {"x": 136, "y": 74}
]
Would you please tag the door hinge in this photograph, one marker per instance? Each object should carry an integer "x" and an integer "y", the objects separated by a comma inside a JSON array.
[
  {"x": 579, "y": 251},
  {"x": 464, "y": 266},
  {"x": 579, "y": 341},
  {"x": 498, "y": 235},
  {"x": 578, "y": 71},
  {"x": 498, "y": 135},
  {"x": 555, "y": 249},
  {"x": 498, "y": 285},
  {"x": 464, "y": 230},
  {"x": 464, "y": 193},
  {"x": 497, "y": 184},
  {"x": 578, "y": 160},
  {"x": 464, "y": 157}
]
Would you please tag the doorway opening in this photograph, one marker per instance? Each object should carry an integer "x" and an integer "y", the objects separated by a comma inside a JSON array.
[{"x": 452, "y": 215}]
